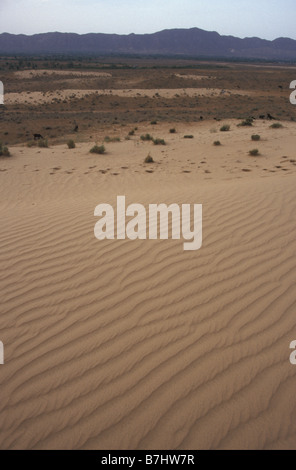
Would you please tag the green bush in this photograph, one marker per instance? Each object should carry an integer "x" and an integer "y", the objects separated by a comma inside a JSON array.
[
  {"x": 71, "y": 144},
  {"x": 111, "y": 139},
  {"x": 43, "y": 143},
  {"x": 276, "y": 125},
  {"x": 225, "y": 128},
  {"x": 159, "y": 142},
  {"x": 146, "y": 137},
  {"x": 173, "y": 131},
  {"x": 4, "y": 152},
  {"x": 148, "y": 159},
  {"x": 254, "y": 153},
  {"x": 31, "y": 143},
  {"x": 247, "y": 122},
  {"x": 255, "y": 137},
  {"x": 98, "y": 149},
  {"x": 217, "y": 143}
]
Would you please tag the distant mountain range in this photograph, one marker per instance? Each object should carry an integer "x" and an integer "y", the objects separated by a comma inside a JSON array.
[{"x": 184, "y": 42}]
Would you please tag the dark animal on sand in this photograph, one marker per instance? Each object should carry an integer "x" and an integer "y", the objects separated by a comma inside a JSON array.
[{"x": 37, "y": 136}]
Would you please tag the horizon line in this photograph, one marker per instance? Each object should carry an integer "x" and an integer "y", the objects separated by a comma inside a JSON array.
[{"x": 147, "y": 34}]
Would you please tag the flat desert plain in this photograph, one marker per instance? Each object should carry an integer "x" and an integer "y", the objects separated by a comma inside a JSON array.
[{"x": 121, "y": 344}]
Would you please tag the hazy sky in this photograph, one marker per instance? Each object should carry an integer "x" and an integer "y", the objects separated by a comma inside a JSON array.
[{"x": 264, "y": 18}]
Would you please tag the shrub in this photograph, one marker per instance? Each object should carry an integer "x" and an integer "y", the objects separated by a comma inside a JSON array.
[
  {"x": 4, "y": 152},
  {"x": 247, "y": 122},
  {"x": 255, "y": 137},
  {"x": 111, "y": 139},
  {"x": 31, "y": 143},
  {"x": 98, "y": 149},
  {"x": 225, "y": 128},
  {"x": 153, "y": 123},
  {"x": 159, "y": 142},
  {"x": 276, "y": 125},
  {"x": 146, "y": 137},
  {"x": 43, "y": 143},
  {"x": 188, "y": 136},
  {"x": 132, "y": 132},
  {"x": 148, "y": 159},
  {"x": 254, "y": 153},
  {"x": 71, "y": 144},
  {"x": 217, "y": 143},
  {"x": 173, "y": 131}
]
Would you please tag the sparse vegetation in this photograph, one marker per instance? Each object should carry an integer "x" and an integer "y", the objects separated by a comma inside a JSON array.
[
  {"x": 254, "y": 153},
  {"x": 217, "y": 143},
  {"x": 31, "y": 143},
  {"x": 247, "y": 122},
  {"x": 225, "y": 128},
  {"x": 153, "y": 123},
  {"x": 71, "y": 144},
  {"x": 148, "y": 159},
  {"x": 132, "y": 132},
  {"x": 159, "y": 142},
  {"x": 99, "y": 149},
  {"x": 43, "y": 143},
  {"x": 276, "y": 125},
  {"x": 4, "y": 152},
  {"x": 255, "y": 137},
  {"x": 111, "y": 139},
  {"x": 188, "y": 137},
  {"x": 146, "y": 137},
  {"x": 173, "y": 131}
]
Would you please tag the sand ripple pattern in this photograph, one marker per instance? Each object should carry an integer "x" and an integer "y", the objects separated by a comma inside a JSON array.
[{"x": 126, "y": 345}]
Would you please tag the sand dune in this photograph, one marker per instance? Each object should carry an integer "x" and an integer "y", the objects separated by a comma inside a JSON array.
[{"x": 138, "y": 344}]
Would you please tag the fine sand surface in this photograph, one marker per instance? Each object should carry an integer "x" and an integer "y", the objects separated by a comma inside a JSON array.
[{"x": 138, "y": 344}]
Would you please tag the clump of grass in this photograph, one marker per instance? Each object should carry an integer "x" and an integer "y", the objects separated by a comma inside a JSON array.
[
  {"x": 173, "y": 131},
  {"x": 254, "y": 153},
  {"x": 71, "y": 144},
  {"x": 247, "y": 122},
  {"x": 276, "y": 125},
  {"x": 43, "y": 143},
  {"x": 217, "y": 143},
  {"x": 225, "y": 128},
  {"x": 111, "y": 139},
  {"x": 132, "y": 132},
  {"x": 188, "y": 137},
  {"x": 159, "y": 142},
  {"x": 148, "y": 159},
  {"x": 4, "y": 152},
  {"x": 146, "y": 137},
  {"x": 153, "y": 123},
  {"x": 255, "y": 137},
  {"x": 31, "y": 143},
  {"x": 100, "y": 149}
]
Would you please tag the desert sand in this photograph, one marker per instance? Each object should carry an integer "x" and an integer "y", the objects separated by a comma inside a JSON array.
[{"x": 137, "y": 344}]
